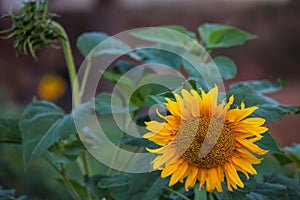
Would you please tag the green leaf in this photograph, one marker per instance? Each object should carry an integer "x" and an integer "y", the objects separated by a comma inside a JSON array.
[
  {"x": 117, "y": 186},
  {"x": 163, "y": 80},
  {"x": 111, "y": 46},
  {"x": 268, "y": 191},
  {"x": 81, "y": 189},
  {"x": 9, "y": 131},
  {"x": 161, "y": 35},
  {"x": 268, "y": 143},
  {"x": 294, "y": 152},
  {"x": 42, "y": 124},
  {"x": 251, "y": 93},
  {"x": 97, "y": 192},
  {"x": 263, "y": 86},
  {"x": 122, "y": 66},
  {"x": 199, "y": 194},
  {"x": 282, "y": 159},
  {"x": 124, "y": 83},
  {"x": 275, "y": 112},
  {"x": 66, "y": 152},
  {"x": 88, "y": 41},
  {"x": 160, "y": 56},
  {"x": 226, "y": 67},
  {"x": 108, "y": 103},
  {"x": 138, "y": 142},
  {"x": 293, "y": 186},
  {"x": 99, "y": 44},
  {"x": 146, "y": 186},
  {"x": 207, "y": 74},
  {"x": 218, "y": 36},
  {"x": 180, "y": 29}
]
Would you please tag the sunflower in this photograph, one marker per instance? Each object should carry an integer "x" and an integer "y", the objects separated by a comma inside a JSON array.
[{"x": 206, "y": 141}]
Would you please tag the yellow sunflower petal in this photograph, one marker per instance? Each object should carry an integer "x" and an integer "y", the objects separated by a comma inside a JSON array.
[
  {"x": 236, "y": 115},
  {"x": 231, "y": 172},
  {"x": 171, "y": 168},
  {"x": 248, "y": 143},
  {"x": 191, "y": 180},
  {"x": 212, "y": 179},
  {"x": 177, "y": 175}
]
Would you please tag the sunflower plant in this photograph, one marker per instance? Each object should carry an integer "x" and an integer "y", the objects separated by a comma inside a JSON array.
[{"x": 200, "y": 142}]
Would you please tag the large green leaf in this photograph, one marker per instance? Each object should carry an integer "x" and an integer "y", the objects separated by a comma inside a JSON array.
[
  {"x": 226, "y": 67},
  {"x": 160, "y": 56},
  {"x": 117, "y": 186},
  {"x": 96, "y": 191},
  {"x": 9, "y": 131},
  {"x": 217, "y": 36},
  {"x": 293, "y": 186},
  {"x": 282, "y": 159},
  {"x": 268, "y": 191},
  {"x": 263, "y": 86},
  {"x": 101, "y": 43},
  {"x": 147, "y": 186},
  {"x": 108, "y": 103},
  {"x": 124, "y": 83},
  {"x": 294, "y": 152},
  {"x": 161, "y": 35},
  {"x": 171, "y": 36},
  {"x": 88, "y": 41},
  {"x": 251, "y": 93},
  {"x": 111, "y": 46},
  {"x": 42, "y": 124}
]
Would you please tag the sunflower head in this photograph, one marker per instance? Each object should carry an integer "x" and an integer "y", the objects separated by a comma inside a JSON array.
[{"x": 207, "y": 142}]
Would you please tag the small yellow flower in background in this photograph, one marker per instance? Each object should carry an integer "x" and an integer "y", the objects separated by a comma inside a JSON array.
[
  {"x": 51, "y": 87},
  {"x": 204, "y": 141}
]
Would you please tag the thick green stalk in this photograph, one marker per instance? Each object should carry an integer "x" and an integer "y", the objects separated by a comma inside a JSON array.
[
  {"x": 64, "y": 177},
  {"x": 85, "y": 77},
  {"x": 69, "y": 184},
  {"x": 70, "y": 63},
  {"x": 75, "y": 90}
]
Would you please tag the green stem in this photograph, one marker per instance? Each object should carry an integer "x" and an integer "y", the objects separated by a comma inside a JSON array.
[
  {"x": 86, "y": 165},
  {"x": 70, "y": 63},
  {"x": 63, "y": 175},
  {"x": 176, "y": 193},
  {"x": 87, "y": 169},
  {"x": 52, "y": 164},
  {"x": 69, "y": 184},
  {"x": 75, "y": 88},
  {"x": 85, "y": 77}
]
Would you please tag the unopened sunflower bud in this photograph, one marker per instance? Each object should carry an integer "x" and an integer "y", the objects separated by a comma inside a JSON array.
[{"x": 33, "y": 28}]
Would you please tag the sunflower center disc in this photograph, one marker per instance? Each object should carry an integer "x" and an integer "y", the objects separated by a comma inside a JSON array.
[{"x": 205, "y": 142}]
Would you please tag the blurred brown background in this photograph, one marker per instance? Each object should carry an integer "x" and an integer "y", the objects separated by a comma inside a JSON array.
[{"x": 275, "y": 54}]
